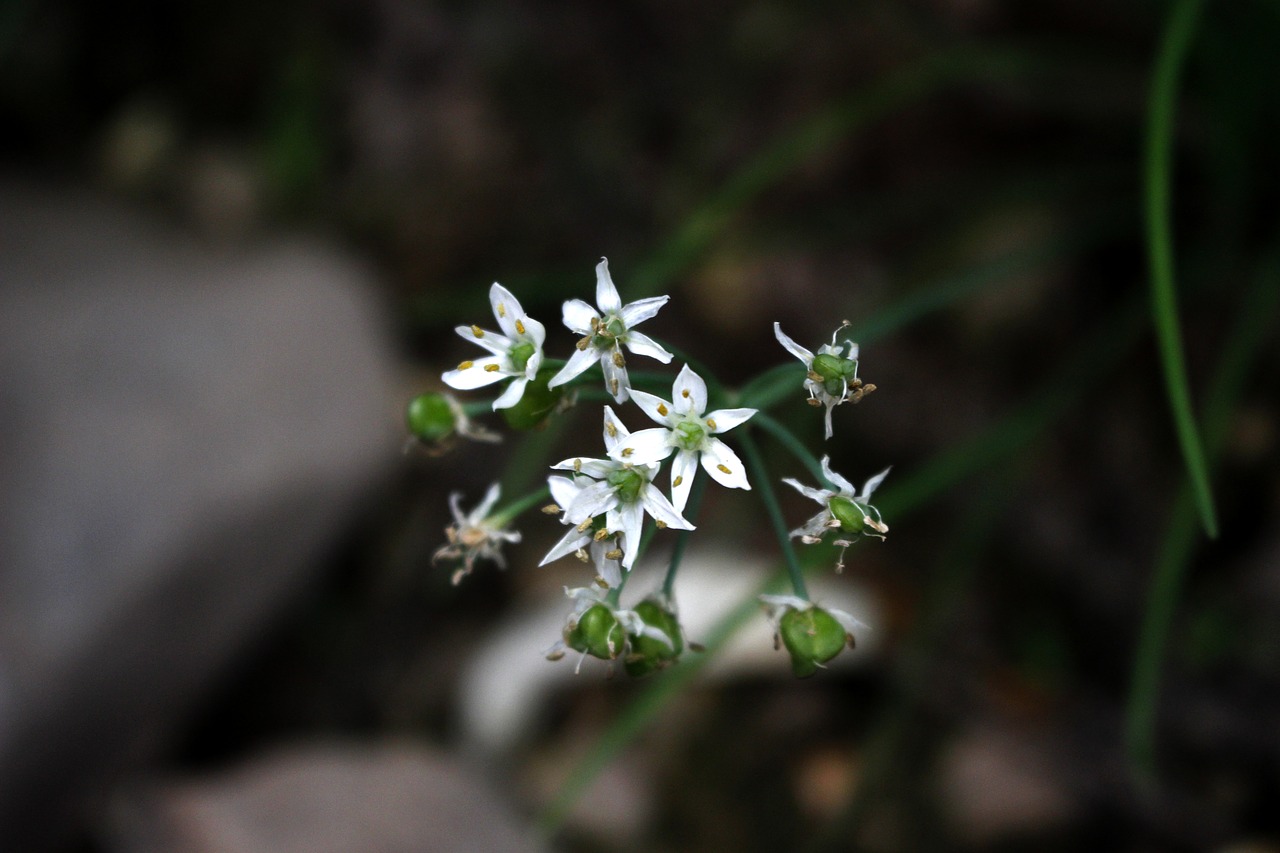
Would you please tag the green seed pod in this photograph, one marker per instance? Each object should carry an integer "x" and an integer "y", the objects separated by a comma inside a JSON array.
[
  {"x": 627, "y": 482},
  {"x": 849, "y": 514},
  {"x": 836, "y": 372},
  {"x": 597, "y": 633},
  {"x": 649, "y": 654},
  {"x": 429, "y": 417},
  {"x": 536, "y": 404},
  {"x": 812, "y": 636}
]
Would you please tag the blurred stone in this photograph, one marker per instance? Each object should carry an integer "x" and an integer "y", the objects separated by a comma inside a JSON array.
[
  {"x": 184, "y": 433},
  {"x": 392, "y": 798}
]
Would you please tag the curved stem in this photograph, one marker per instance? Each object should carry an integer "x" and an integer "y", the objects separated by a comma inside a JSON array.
[{"x": 760, "y": 474}]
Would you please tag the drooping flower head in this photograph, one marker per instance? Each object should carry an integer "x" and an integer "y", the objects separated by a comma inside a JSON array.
[
  {"x": 601, "y": 629},
  {"x": 843, "y": 510},
  {"x": 622, "y": 492},
  {"x": 606, "y": 331},
  {"x": 688, "y": 432},
  {"x": 516, "y": 352},
  {"x": 812, "y": 635},
  {"x": 475, "y": 535},
  {"x": 832, "y": 376}
]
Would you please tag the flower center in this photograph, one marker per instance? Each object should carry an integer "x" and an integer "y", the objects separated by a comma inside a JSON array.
[
  {"x": 608, "y": 332},
  {"x": 627, "y": 483},
  {"x": 520, "y": 355},
  {"x": 848, "y": 513},
  {"x": 836, "y": 372},
  {"x": 689, "y": 435}
]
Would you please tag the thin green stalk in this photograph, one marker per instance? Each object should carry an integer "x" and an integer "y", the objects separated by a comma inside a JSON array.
[
  {"x": 615, "y": 595},
  {"x": 682, "y": 541},
  {"x": 793, "y": 445},
  {"x": 764, "y": 487},
  {"x": 1174, "y": 46},
  {"x": 1257, "y": 315},
  {"x": 516, "y": 508}
]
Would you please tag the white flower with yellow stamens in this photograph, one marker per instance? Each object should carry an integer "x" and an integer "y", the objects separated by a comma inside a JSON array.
[
  {"x": 475, "y": 535},
  {"x": 832, "y": 373},
  {"x": 843, "y": 510},
  {"x": 517, "y": 351},
  {"x": 688, "y": 432},
  {"x": 606, "y": 332}
]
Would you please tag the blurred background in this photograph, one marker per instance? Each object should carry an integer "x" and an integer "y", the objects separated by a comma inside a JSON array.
[{"x": 234, "y": 241}]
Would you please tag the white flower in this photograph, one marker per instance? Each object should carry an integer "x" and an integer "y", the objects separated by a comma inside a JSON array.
[
  {"x": 517, "y": 352},
  {"x": 690, "y": 434},
  {"x": 842, "y": 510},
  {"x": 832, "y": 375},
  {"x": 597, "y": 546},
  {"x": 608, "y": 330},
  {"x": 776, "y": 606},
  {"x": 475, "y": 535},
  {"x": 615, "y": 642},
  {"x": 620, "y": 491}
]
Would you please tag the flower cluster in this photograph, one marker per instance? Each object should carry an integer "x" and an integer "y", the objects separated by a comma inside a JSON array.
[{"x": 609, "y": 501}]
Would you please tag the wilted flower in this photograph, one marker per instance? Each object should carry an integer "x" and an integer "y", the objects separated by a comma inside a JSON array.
[
  {"x": 475, "y": 535},
  {"x": 517, "y": 352},
  {"x": 832, "y": 376},
  {"x": 433, "y": 419},
  {"x": 688, "y": 433},
  {"x": 843, "y": 510},
  {"x": 601, "y": 629},
  {"x": 812, "y": 635},
  {"x": 608, "y": 330}
]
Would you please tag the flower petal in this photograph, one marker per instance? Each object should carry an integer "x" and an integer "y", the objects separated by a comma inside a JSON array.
[
  {"x": 791, "y": 346},
  {"x": 657, "y": 505},
  {"x": 606, "y": 294},
  {"x": 534, "y": 330},
  {"x": 614, "y": 431},
  {"x": 506, "y": 308},
  {"x": 630, "y": 520},
  {"x": 642, "y": 344},
  {"x": 683, "y": 469},
  {"x": 578, "y": 363},
  {"x": 512, "y": 395},
  {"x": 724, "y": 466},
  {"x": 570, "y": 542},
  {"x": 577, "y": 316},
  {"x": 819, "y": 495},
  {"x": 492, "y": 341},
  {"x": 609, "y": 570},
  {"x": 727, "y": 419},
  {"x": 642, "y": 309},
  {"x": 481, "y": 512},
  {"x": 474, "y": 376},
  {"x": 594, "y": 500},
  {"x": 644, "y": 447},
  {"x": 845, "y": 487},
  {"x": 616, "y": 380},
  {"x": 873, "y": 484},
  {"x": 653, "y": 406},
  {"x": 689, "y": 392},
  {"x": 563, "y": 491},
  {"x": 597, "y": 469}
]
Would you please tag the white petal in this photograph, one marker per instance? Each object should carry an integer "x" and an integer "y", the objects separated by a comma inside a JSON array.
[
  {"x": 616, "y": 381},
  {"x": 606, "y": 294},
  {"x": 533, "y": 365},
  {"x": 642, "y": 344},
  {"x": 578, "y": 363},
  {"x": 455, "y": 507},
  {"x": 873, "y": 484},
  {"x": 506, "y": 308},
  {"x": 630, "y": 521},
  {"x": 683, "y": 469},
  {"x": 595, "y": 468},
  {"x": 657, "y": 505},
  {"x": 785, "y": 602},
  {"x": 570, "y": 542},
  {"x": 475, "y": 376},
  {"x": 490, "y": 498},
  {"x": 492, "y": 341},
  {"x": 563, "y": 491},
  {"x": 829, "y": 431},
  {"x": 594, "y": 500},
  {"x": 609, "y": 570},
  {"x": 512, "y": 395},
  {"x": 577, "y": 316},
  {"x": 689, "y": 392},
  {"x": 644, "y": 447},
  {"x": 653, "y": 406},
  {"x": 614, "y": 432},
  {"x": 845, "y": 487},
  {"x": 727, "y": 419},
  {"x": 724, "y": 466},
  {"x": 819, "y": 495},
  {"x": 642, "y": 309},
  {"x": 847, "y": 620},
  {"x": 815, "y": 526},
  {"x": 534, "y": 330},
  {"x": 791, "y": 346}
]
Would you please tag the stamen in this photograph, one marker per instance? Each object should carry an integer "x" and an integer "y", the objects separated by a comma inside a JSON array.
[
  {"x": 491, "y": 368},
  {"x": 581, "y": 555},
  {"x": 613, "y": 386},
  {"x": 584, "y": 343},
  {"x": 685, "y": 393},
  {"x": 711, "y": 423},
  {"x": 662, "y": 409},
  {"x": 601, "y": 535},
  {"x": 814, "y": 401},
  {"x": 466, "y": 364},
  {"x": 477, "y": 331},
  {"x": 582, "y": 526},
  {"x": 611, "y": 429},
  {"x": 618, "y": 360},
  {"x": 662, "y": 525},
  {"x": 519, "y": 327},
  {"x": 677, "y": 481},
  {"x": 502, "y": 309},
  {"x": 615, "y": 554},
  {"x": 577, "y": 466},
  {"x": 723, "y": 468},
  {"x": 551, "y": 509},
  {"x": 627, "y": 452},
  {"x": 601, "y": 582}
]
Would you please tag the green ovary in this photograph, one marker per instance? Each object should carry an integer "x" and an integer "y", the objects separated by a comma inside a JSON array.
[
  {"x": 520, "y": 355},
  {"x": 836, "y": 372},
  {"x": 689, "y": 435},
  {"x": 848, "y": 513},
  {"x": 627, "y": 483}
]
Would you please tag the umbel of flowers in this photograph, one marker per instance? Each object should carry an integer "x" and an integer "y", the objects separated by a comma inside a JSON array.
[{"x": 612, "y": 499}]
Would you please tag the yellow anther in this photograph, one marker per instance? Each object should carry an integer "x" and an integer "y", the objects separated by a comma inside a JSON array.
[
  {"x": 684, "y": 393},
  {"x": 464, "y": 365},
  {"x": 662, "y": 409},
  {"x": 611, "y": 429},
  {"x": 491, "y": 368},
  {"x": 724, "y": 468},
  {"x": 662, "y": 525},
  {"x": 615, "y": 554},
  {"x": 582, "y": 555},
  {"x": 577, "y": 466},
  {"x": 601, "y": 535},
  {"x": 814, "y": 401},
  {"x": 551, "y": 509},
  {"x": 477, "y": 331},
  {"x": 815, "y": 376},
  {"x": 601, "y": 582},
  {"x": 519, "y": 327},
  {"x": 502, "y": 309},
  {"x": 584, "y": 343},
  {"x": 711, "y": 423},
  {"x": 582, "y": 528},
  {"x": 618, "y": 360},
  {"x": 613, "y": 386},
  {"x": 677, "y": 481},
  {"x": 627, "y": 452}
]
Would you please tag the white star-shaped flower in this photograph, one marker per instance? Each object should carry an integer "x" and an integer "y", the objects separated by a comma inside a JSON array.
[
  {"x": 844, "y": 510},
  {"x": 516, "y": 353},
  {"x": 606, "y": 331},
  {"x": 596, "y": 546},
  {"x": 475, "y": 535},
  {"x": 832, "y": 373},
  {"x": 620, "y": 491},
  {"x": 689, "y": 433}
]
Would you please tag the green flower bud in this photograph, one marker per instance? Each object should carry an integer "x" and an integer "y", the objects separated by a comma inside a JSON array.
[
  {"x": 537, "y": 402},
  {"x": 649, "y": 654},
  {"x": 812, "y": 636},
  {"x": 627, "y": 482},
  {"x": 836, "y": 372},
  {"x": 429, "y": 417},
  {"x": 689, "y": 435},
  {"x": 597, "y": 632},
  {"x": 848, "y": 513}
]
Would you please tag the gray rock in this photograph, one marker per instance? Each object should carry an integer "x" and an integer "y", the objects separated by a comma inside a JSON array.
[
  {"x": 184, "y": 430},
  {"x": 391, "y": 798}
]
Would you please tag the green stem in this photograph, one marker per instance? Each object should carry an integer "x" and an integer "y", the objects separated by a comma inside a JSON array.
[
  {"x": 517, "y": 508},
  {"x": 760, "y": 474},
  {"x": 1174, "y": 45},
  {"x": 682, "y": 541}
]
